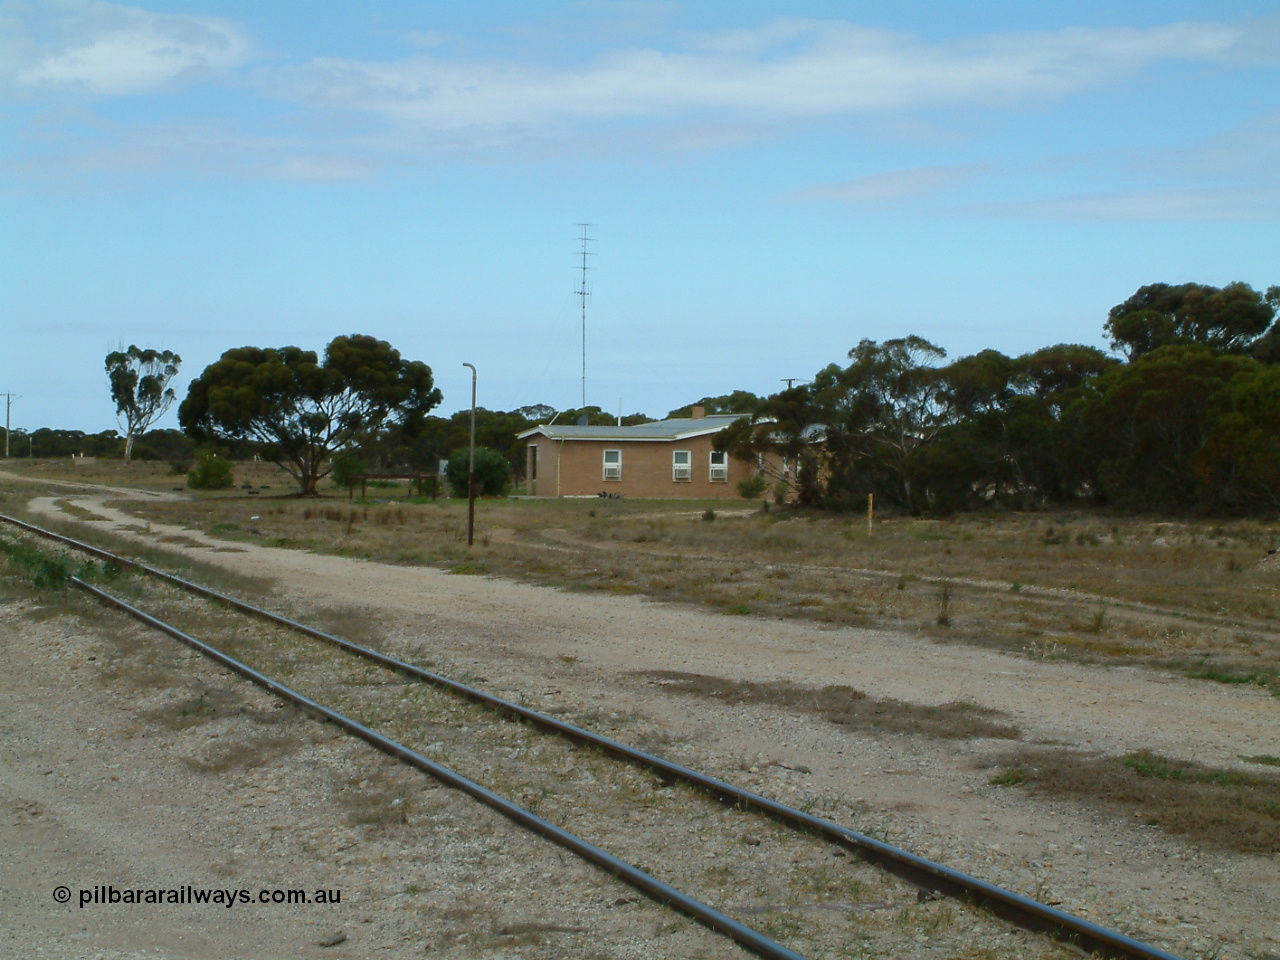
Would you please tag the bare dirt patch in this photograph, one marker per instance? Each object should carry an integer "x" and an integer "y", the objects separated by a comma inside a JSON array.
[{"x": 844, "y": 705}]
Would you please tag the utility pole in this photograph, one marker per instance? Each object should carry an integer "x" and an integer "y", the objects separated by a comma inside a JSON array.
[
  {"x": 789, "y": 381},
  {"x": 584, "y": 293},
  {"x": 8, "y": 407},
  {"x": 471, "y": 469}
]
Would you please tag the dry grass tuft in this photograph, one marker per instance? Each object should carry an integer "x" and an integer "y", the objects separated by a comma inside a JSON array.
[
  {"x": 1263, "y": 758},
  {"x": 349, "y": 623},
  {"x": 79, "y": 512},
  {"x": 134, "y": 667},
  {"x": 848, "y": 707},
  {"x": 198, "y": 706},
  {"x": 385, "y": 799},
  {"x": 1210, "y": 805},
  {"x": 245, "y": 754}
]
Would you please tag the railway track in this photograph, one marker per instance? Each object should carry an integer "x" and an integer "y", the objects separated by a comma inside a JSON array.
[{"x": 929, "y": 877}]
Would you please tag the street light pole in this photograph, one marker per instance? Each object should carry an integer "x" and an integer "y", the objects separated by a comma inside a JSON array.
[
  {"x": 471, "y": 467},
  {"x": 8, "y": 407}
]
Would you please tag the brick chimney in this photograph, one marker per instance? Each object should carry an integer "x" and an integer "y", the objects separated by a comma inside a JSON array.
[{"x": 699, "y": 412}]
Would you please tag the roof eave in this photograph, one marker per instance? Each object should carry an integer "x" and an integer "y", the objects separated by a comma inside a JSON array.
[{"x": 687, "y": 435}]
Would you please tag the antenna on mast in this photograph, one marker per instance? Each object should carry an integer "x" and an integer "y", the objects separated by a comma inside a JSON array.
[{"x": 584, "y": 293}]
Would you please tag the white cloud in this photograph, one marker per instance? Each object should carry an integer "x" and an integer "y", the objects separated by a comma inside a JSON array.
[
  {"x": 1249, "y": 150},
  {"x": 892, "y": 186},
  {"x": 1212, "y": 204},
  {"x": 704, "y": 92},
  {"x": 783, "y": 71},
  {"x": 1260, "y": 43},
  {"x": 205, "y": 148},
  {"x": 426, "y": 39},
  {"x": 107, "y": 49},
  {"x": 318, "y": 168}
]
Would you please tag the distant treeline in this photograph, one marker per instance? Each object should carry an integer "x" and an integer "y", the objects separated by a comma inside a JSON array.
[
  {"x": 419, "y": 448},
  {"x": 1188, "y": 421},
  {"x": 170, "y": 445}
]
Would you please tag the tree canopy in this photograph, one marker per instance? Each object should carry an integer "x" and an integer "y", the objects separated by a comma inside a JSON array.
[
  {"x": 854, "y": 429},
  {"x": 1229, "y": 319},
  {"x": 140, "y": 388},
  {"x": 303, "y": 411},
  {"x": 596, "y": 417},
  {"x": 1190, "y": 422},
  {"x": 740, "y": 401}
]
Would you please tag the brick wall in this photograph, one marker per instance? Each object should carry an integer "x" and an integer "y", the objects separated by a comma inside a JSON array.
[{"x": 646, "y": 469}]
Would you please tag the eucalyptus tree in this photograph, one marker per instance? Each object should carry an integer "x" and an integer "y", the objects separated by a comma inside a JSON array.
[
  {"x": 891, "y": 401},
  {"x": 303, "y": 411},
  {"x": 1228, "y": 319},
  {"x": 140, "y": 388}
]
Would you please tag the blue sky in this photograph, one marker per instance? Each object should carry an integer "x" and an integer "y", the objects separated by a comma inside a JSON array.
[{"x": 767, "y": 188}]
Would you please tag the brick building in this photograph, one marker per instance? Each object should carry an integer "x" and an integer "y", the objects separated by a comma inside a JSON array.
[{"x": 668, "y": 458}]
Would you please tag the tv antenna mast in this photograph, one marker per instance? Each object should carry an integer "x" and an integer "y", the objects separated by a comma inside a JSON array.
[{"x": 584, "y": 293}]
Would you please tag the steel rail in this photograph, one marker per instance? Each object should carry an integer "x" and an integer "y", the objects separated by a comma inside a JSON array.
[
  {"x": 1021, "y": 910},
  {"x": 753, "y": 940}
]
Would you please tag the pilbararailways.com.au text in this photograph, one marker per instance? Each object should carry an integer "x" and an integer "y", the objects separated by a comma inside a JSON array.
[{"x": 109, "y": 894}]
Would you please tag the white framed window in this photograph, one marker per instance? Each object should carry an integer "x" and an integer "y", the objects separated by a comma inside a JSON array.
[
  {"x": 681, "y": 465},
  {"x": 719, "y": 466},
  {"x": 613, "y": 464}
]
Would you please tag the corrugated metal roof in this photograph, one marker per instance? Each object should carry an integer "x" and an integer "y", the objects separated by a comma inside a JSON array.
[{"x": 680, "y": 428}]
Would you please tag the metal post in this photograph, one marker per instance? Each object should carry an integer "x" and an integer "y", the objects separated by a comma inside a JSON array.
[
  {"x": 8, "y": 405},
  {"x": 471, "y": 468}
]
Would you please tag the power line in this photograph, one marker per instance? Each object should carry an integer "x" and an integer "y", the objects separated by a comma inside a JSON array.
[{"x": 584, "y": 293}]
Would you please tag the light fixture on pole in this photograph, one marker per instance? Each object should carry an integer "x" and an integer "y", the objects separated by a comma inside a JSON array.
[{"x": 471, "y": 466}]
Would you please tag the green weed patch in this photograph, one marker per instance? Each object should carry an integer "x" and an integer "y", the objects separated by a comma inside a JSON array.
[
  {"x": 1217, "y": 807},
  {"x": 47, "y": 571}
]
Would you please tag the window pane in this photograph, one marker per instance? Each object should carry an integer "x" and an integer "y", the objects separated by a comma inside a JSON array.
[{"x": 681, "y": 458}]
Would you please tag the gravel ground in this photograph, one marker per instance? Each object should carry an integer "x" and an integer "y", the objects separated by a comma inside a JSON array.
[
  {"x": 581, "y": 655},
  {"x": 103, "y": 782}
]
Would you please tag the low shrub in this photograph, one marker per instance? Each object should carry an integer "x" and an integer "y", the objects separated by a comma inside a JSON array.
[
  {"x": 211, "y": 472},
  {"x": 493, "y": 473},
  {"x": 346, "y": 466},
  {"x": 751, "y": 487}
]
